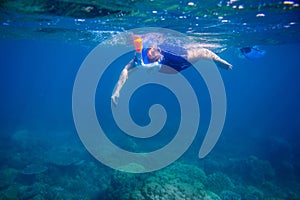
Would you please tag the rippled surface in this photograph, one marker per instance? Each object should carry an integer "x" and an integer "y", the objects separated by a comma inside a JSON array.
[{"x": 225, "y": 23}]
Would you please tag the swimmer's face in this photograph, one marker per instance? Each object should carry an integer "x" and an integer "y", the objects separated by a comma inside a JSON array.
[{"x": 154, "y": 54}]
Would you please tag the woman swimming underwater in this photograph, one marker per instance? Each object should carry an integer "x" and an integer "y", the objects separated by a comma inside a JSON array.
[{"x": 164, "y": 58}]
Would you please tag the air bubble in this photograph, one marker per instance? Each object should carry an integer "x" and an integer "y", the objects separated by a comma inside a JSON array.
[
  {"x": 241, "y": 7},
  {"x": 191, "y": 4},
  {"x": 260, "y": 15},
  {"x": 288, "y": 2}
]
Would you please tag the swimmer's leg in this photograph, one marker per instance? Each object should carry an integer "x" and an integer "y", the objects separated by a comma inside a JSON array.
[
  {"x": 222, "y": 63},
  {"x": 196, "y": 54}
]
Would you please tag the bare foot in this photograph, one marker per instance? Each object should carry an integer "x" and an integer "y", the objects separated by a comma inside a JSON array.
[{"x": 222, "y": 63}]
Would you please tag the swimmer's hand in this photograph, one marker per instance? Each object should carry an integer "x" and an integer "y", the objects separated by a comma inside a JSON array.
[{"x": 114, "y": 99}]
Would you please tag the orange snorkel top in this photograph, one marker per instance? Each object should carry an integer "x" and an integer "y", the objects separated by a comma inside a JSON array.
[{"x": 138, "y": 43}]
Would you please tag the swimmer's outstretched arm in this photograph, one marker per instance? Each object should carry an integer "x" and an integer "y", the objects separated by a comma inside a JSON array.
[{"x": 130, "y": 67}]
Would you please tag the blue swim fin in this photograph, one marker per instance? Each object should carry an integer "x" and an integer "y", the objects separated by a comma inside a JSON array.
[{"x": 252, "y": 53}]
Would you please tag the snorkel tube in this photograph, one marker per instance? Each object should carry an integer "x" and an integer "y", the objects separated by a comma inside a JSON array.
[{"x": 138, "y": 45}]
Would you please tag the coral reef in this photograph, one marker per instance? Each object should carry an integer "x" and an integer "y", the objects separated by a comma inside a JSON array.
[
  {"x": 229, "y": 195},
  {"x": 178, "y": 181},
  {"x": 7, "y": 177},
  {"x": 34, "y": 169},
  {"x": 253, "y": 193},
  {"x": 63, "y": 156},
  {"x": 10, "y": 193},
  {"x": 132, "y": 167},
  {"x": 252, "y": 170},
  {"x": 218, "y": 181},
  {"x": 64, "y": 171},
  {"x": 211, "y": 165}
]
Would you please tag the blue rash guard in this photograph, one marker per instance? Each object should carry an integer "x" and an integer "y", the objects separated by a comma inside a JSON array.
[{"x": 173, "y": 56}]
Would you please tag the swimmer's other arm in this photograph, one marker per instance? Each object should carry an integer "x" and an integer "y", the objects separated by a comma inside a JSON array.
[
  {"x": 122, "y": 79},
  {"x": 129, "y": 68}
]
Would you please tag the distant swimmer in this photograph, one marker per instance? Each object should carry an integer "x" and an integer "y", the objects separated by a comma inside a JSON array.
[
  {"x": 164, "y": 58},
  {"x": 252, "y": 53}
]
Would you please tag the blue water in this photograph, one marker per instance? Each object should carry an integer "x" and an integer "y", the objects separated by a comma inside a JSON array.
[{"x": 256, "y": 157}]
